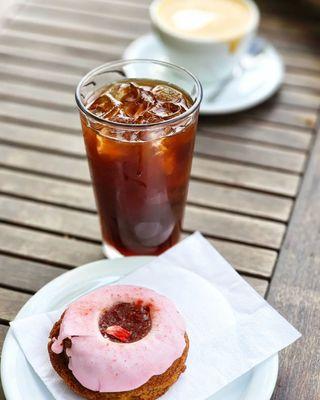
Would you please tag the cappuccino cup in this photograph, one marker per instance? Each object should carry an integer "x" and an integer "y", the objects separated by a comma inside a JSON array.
[{"x": 208, "y": 37}]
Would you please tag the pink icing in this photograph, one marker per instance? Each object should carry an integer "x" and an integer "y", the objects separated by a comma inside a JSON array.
[{"x": 100, "y": 364}]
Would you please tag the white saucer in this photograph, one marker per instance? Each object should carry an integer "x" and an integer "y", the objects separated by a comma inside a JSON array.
[
  {"x": 253, "y": 86},
  {"x": 19, "y": 379}
]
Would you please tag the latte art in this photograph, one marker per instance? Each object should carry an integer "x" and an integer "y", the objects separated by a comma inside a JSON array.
[{"x": 205, "y": 19}]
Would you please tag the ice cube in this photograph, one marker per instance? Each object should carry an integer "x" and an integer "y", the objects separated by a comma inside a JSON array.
[
  {"x": 138, "y": 107},
  {"x": 124, "y": 92},
  {"x": 167, "y": 110},
  {"x": 103, "y": 106},
  {"x": 165, "y": 93}
]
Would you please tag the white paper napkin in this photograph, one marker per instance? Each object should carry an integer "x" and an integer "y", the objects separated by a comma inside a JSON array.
[{"x": 231, "y": 328}]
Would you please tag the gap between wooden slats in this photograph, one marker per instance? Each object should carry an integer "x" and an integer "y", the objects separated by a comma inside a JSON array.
[
  {"x": 46, "y": 44},
  {"x": 298, "y": 99},
  {"x": 220, "y": 224},
  {"x": 209, "y": 170},
  {"x": 18, "y": 133},
  {"x": 67, "y": 29},
  {"x": 30, "y": 276},
  {"x": 281, "y": 159},
  {"x": 79, "y": 196},
  {"x": 66, "y": 252},
  {"x": 114, "y": 21},
  {"x": 259, "y": 133}
]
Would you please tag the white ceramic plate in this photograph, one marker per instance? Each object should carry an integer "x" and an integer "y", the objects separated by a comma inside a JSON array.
[
  {"x": 255, "y": 85},
  {"x": 20, "y": 381}
]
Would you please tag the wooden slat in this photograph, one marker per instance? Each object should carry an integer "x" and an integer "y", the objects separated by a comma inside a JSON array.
[
  {"x": 251, "y": 153},
  {"x": 37, "y": 77},
  {"x": 245, "y": 176},
  {"x": 3, "y": 332},
  {"x": 41, "y": 138},
  {"x": 55, "y": 119},
  {"x": 28, "y": 23},
  {"x": 259, "y": 132},
  {"x": 47, "y": 248},
  {"x": 247, "y": 259},
  {"x": 47, "y": 190},
  {"x": 292, "y": 117},
  {"x": 260, "y": 285},
  {"x": 238, "y": 200},
  {"x": 310, "y": 81},
  {"x": 302, "y": 61},
  {"x": 46, "y": 44},
  {"x": 19, "y": 133},
  {"x": 244, "y": 258},
  {"x": 234, "y": 227},
  {"x": 29, "y": 58},
  {"x": 25, "y": 274},
  {"x": 299, "y": 97},
  {"x": 211, "y": 170},
  {"x": 295, "y": 289},
  {"x": 37, "y": 96},
  {"x": 107, "y": 7},
  {"x": 53, "y": 219},
  {"x": 44, "y": 163},
  {"x": 120, "y": 22},
  {"x": 200, "y": 193},
  {"x": 85, "y": 225},
  {"x": 11, "y": 302}
]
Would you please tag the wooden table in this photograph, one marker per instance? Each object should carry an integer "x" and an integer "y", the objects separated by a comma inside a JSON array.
[{"x": 255, "y": 188}]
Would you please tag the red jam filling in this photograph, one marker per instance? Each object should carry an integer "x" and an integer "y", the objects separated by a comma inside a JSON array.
[{"x": 126, "y": 322}]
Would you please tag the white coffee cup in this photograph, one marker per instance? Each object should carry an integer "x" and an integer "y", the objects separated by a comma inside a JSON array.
[{"x": 213, "y": 60}]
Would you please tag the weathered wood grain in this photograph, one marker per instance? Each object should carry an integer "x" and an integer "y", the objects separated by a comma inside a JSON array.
[
  {"x": 30, "y": 58},
  {"x": 55, "y": 165},
  {"x": 47, "y": 248},
  {"x": 27, "y": 275},
  {"x": 107, "y": 7},
  {"x": 245, "y": 176},
  {"x": 200, "y": 193},
  {"x": 49, "y": 218},
  {"x": 37, "y": 77},
  {"x": 23, "y": 94},
  {"x": 44, "y": 117},
  {"x": 258, "y": 132},
  {"x": 246, "y": 259},
  {"x": 41, "y": 139},
  {"x": 299, "y": 97},
  {"x": 210, "y": 170},
  {"x": 3, "y": 332},
  {"x": 239, "y": 200},
  {"x": 251, "y": 153},
  {"x": 295, "y": 290},
  {"x": 85, "y": 225},
  {"x": 234, "y": 227},
  {"x": 117, "y": 22},
  {"x": 291, "y": 117},
  {"x": 28, "y": 23},
  {"x": 310, "y": 81},
  {"x": 11, "y": 302},
  {"x": 43, "y": 43}
]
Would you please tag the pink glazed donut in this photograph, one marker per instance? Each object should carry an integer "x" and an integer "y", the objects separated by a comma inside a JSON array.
[{"x": 117, "y": 340}]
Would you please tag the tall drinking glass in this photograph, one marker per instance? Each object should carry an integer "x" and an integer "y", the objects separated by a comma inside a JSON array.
[{"x": 139, "y": 170}]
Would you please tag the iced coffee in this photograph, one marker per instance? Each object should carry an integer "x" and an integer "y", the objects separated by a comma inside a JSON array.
[{"x": 139, "y": 135}]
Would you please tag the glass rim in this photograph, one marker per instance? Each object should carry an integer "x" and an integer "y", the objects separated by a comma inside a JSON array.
[{"x": 112, "y": 64}]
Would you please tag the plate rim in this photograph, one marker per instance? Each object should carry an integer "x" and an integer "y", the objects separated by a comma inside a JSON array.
[
  {"x": 127, "y": 55},
  {"x": 10, "y": 341}
]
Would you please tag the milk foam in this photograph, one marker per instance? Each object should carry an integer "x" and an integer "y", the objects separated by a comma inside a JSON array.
[{"x": 217, "y": 19}]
